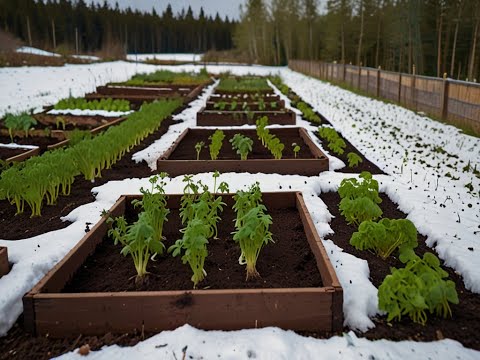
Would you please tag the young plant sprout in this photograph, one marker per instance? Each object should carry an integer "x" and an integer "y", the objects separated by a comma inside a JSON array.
[
  {"x": 198, "y": 148},
  {"x": 60, "y": 121},
  {"x": 353, "y": 159},
  {"x": 242, "y": 144},
  {"x": 199, "y": 212},
  {"x": 252, "y": 227},
  {"x": 296, "y": 149},
  {"x": 216, "y": 143}
]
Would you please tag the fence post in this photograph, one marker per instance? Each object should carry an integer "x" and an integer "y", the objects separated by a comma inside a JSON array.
[
  {"x": 446, "y": 88},
  {"x": 414, "y": 88},
  {"x": 399, "y": 87},
  {"x": 359, "y": 75},
  {"x": 378, "y": 81}
]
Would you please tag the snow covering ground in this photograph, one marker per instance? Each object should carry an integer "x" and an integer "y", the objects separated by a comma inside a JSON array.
[
  {"x": 165, "y": 57},
  {"x": 78, "y": 112},
  {"x": 401, "y": 143},
  {"x": 35, "y": 51}
]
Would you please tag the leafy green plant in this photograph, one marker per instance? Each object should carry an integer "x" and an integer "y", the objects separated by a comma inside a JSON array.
[
  {"x": 220, "y": 105},
  {"x": 21, "y": 122},
  {"x": 308, "y": 112},
  {"x": 233, "y": 105},
  {"x": 154, "y": 205},
  {"x": 359, "y": 199},
  {"x": 216, "y": 143},
  {"x": 76, "y": 136},
  {"x": 262, "y": 130},
  {"x": 198, "y": 148},
  {"x": 167, "y": 77},
  {"x": 199, "y": 212},
  {"x": 273, "y": 104},
  {"x": 275, "y": 146},
  {"x": 243, "y": 84},
  {"x": 419, "y": 287},
  {"x": 137, "y": 241},
  {"x": 108, "y": 104},
  {"x": 60, "y": 121},
  {"x": 242, "y": 144},
  {"x": 252, "y": 227},
  {"x": 385, "y": 236},
  {"x": 261, "y": 104},
  {"x": 296, "y": 149},
  {"x": 335, "y": 142},
  {"x": 353, "y": 159}
]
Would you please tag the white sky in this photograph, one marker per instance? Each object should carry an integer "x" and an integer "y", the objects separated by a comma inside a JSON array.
[{"x": 211, "y": 7}]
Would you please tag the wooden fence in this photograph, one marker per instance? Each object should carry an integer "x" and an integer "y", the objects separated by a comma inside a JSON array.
[{"x": 456, "y": 102}]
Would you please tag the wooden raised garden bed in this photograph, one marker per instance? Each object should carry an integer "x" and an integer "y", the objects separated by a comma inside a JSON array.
[
  {"x": 53, "y": 306},
  {"x": 252, "y": 92},
  {"x": 4, "y": 266},
  {"x": 238, "y": 118},
  {"x": 138, "y": 95},
  {"x": 180, "y": 158},
  {"x": 242, "y": 97},
  {"x": 17, "y": 154},
  {"x": 253, "y": 106}
]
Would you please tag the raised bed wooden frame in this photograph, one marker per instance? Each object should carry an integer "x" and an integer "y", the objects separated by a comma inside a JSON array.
[
  {"x": 306, "y": 167},
  {"x": 253, "y": 106},
  {"x": 48, "y": 311},
  {"x": 23, "y": 156},
  {"x": 4, "y": 266},
  {"x": 239, "y": 118}
]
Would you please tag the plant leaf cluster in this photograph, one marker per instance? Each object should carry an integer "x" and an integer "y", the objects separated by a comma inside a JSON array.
[
  {"x": 359, "y": 199},
  {"x": 252, "y": 227},
  {"x": 242, "y": 144},
  {"x": 385, "y": 236},
  {"x": 335, "y": 142},
  {"x": 21, "y": 122},
  {"x": 216, "y": 143},
  {"x": 421, "y": 286},
  {"x": 269, "y": 140},
  {"x": 143, "y": 239},
  {"x": 108, "y": 104}
]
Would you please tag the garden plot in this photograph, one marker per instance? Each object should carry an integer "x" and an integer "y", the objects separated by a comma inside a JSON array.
[
  {"x": 13, "y": 152},
  {"x": 201, "y": 150},
  {"x": 240, "y": 101},
  {"x": 360, "y": 294}
]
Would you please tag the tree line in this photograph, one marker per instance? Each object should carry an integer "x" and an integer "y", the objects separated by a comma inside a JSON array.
[
  {"x": 430, "y": 37},
  {"x": 76, "y": 26}
]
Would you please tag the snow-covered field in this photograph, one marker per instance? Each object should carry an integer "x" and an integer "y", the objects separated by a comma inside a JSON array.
[
  {"x": 165, "y": 57},
  {"x": 404, "y": 145}
]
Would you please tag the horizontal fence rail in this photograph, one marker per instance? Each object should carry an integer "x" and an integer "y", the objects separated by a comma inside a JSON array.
[{"x": 456, "y": 102}]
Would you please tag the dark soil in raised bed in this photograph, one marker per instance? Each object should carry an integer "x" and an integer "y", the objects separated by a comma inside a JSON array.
[
  {"x": 287, "y": 263},
  {"x": 6, "y": 152},
  {"x": 72, "y": 122},
  {"x": 186, "y": 148},
  {"x": 41, "y": 141},
  {"x": 15, "y": 227},
  {"x": 463, "y": 326}
]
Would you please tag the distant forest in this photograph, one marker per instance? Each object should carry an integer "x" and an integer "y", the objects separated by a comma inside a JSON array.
[
  {"x": 58, "y": 24},
  {"x": 437, "y": 36}
]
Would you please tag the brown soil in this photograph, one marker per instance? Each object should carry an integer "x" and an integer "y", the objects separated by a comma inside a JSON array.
[
  {"x": 71, "y": 121},
  {"x": 15, "y": 227},
  {"x": 41, "y": 141},
  {"x": 286, "y": 263},
  {"x": 463, "y": 326},
  {"x": 6, "y": 153},
  {"x": 186, "y": 148}
]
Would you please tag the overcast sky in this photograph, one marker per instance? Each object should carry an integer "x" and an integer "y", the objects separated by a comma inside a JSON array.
[{"x": 211, "y": 7}]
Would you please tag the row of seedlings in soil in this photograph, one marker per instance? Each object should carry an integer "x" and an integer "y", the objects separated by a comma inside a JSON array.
[
  {"x": 50, "y": 130},
  {"x": 243, "y": 145},
  {"x": 167, "y": 77},
  {"x": 422, "y": 285},
  {"x": 335, "y": 142},
  {"x": 200, "y": 213},
  {"x": 43, "y": 178}
]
